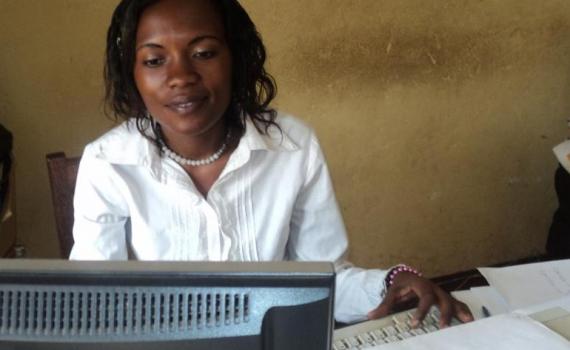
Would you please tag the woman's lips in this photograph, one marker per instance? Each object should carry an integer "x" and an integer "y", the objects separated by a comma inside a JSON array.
[{"x": 187, "y": 105}]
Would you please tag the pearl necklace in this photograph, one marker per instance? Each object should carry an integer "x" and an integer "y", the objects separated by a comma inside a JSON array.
[{"x": 196, "y": 162}]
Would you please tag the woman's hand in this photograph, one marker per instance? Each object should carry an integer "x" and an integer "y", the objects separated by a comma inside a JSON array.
[{"x": 407, "y": 285}]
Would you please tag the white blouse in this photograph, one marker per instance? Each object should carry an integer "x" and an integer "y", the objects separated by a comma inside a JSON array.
[
  {"x": 273, "y": 201},
  {"x": 562, "y": 153}
]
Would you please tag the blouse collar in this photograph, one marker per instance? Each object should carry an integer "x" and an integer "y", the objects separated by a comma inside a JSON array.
[{"x": 126, "y": 145}]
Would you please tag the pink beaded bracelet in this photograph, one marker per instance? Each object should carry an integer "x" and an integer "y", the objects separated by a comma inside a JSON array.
[{"x": 397, "y": 269}]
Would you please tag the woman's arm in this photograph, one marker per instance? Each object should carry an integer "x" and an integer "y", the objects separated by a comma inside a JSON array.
[
  {"x": 318, "y": 233},
  {"x": 100, "y": 214}
]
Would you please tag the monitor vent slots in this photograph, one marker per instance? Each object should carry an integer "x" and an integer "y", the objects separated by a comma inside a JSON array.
[{"x": 110, "y": 311}]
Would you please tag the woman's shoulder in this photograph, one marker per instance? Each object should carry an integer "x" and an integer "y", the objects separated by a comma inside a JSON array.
[
  {"x": 122, "y": 144},
  {"x": 296, "y": 129},
  {"x": 290, "y": 122}
]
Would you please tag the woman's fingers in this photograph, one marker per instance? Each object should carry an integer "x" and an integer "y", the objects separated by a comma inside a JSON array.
[
  {"x": 462, "y": 312},
  {"x": 446, "y": 306},
  {"x": 426, "y": 300},
  {"x": 429, "y": 294}
]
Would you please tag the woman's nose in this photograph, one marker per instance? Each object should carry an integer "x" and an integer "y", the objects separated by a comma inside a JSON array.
[{"x": 182, "y": 73}]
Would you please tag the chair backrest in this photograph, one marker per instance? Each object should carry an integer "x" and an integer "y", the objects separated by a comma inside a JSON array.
[
  {"x": 62, "y": 173},
  {"x": 5, "y": 164},
  {"x": 8, "y": 229}
]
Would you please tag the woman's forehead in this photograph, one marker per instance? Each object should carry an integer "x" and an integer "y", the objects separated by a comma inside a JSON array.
[{"x": 170, "y": 17}]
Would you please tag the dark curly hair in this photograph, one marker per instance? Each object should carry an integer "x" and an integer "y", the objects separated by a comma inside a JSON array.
[{"x": 253, "y": 88}]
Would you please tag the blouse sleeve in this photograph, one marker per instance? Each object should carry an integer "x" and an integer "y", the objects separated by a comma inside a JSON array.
[
  {"x": 100, "y": 213},
  {"x": 318, "y": 234}
]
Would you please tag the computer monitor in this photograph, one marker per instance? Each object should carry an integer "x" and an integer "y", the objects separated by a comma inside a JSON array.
[{"x": 57, "y": 304}]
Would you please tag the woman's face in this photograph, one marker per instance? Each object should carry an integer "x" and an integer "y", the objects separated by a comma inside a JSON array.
[{"x": 182, "y": 66}]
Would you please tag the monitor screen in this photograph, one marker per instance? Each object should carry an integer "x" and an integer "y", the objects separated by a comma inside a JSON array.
[{"x": 58, "y": 304}]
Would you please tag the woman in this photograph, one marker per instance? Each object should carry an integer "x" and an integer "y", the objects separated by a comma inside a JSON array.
[{"x": 204, "y": 169}]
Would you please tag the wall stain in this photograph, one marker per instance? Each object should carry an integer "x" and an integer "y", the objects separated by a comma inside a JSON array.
[{"x": 410, "y": 55}]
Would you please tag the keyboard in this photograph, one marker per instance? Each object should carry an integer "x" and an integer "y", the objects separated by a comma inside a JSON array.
[{"x": 388, "y": 329}]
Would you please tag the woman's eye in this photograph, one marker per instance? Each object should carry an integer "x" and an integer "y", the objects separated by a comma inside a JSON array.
[
  {"x": 153, "y": 62},
  {"x": 204, "y": 55}
]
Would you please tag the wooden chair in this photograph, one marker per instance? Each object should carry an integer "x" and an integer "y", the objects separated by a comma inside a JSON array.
[
  {"x": 8, "y": 229},
  {"x": 62, "y": 173}
]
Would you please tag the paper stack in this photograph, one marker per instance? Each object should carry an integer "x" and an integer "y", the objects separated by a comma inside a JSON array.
[{"x": 518, "y": 287}]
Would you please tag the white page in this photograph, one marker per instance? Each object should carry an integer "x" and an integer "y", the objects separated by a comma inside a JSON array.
[
  {"x": 487, "y": 296},
  {"x": 490, "y": 298},
  {"x": 525, "y": 285},
  {"x": 504, "y": 332}
]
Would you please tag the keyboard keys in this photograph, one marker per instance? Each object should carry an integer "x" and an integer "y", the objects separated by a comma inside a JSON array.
[
  {"x": 430, "y": 328},
  {"x": 339, "y": 345},
  {"x": 417, "y": 331},
  {"x": 405, "y": 335},
  {"x": 387, "y": 330},
  {"x": 454, "y": 322},
  {"x": 400, "y": 318},
  {"x": 402, "y": 328},
  {"x": 435, "y": 312},
  {"x": 390, "y": 330},
  {"x": 352, "y": 341},
  {"x": 433, "y": 318},
  {"x": 378, "y": 334},
  {"x": 365, "y": 338},
  {"x": 391, "y": 339}
]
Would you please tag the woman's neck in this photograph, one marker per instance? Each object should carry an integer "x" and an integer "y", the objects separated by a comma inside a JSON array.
[{"x": 197, "y": 146}]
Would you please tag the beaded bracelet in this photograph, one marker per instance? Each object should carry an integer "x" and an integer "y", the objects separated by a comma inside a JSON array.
[{"x": 397, "y": 269}]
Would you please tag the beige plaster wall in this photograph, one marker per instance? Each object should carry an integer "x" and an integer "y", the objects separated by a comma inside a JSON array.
[{"x": 437, "y": 117}]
